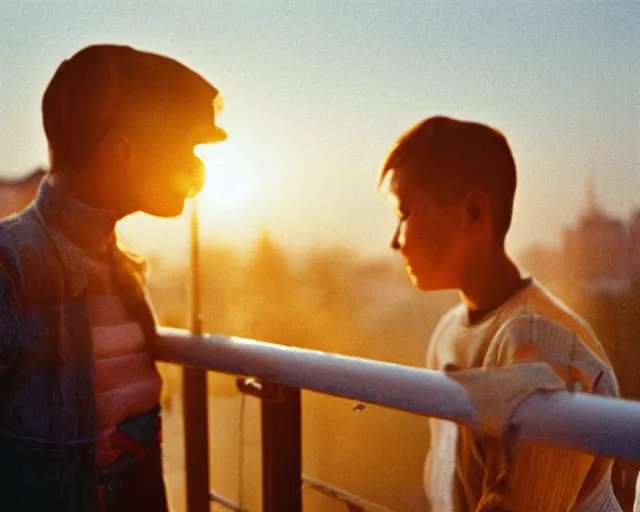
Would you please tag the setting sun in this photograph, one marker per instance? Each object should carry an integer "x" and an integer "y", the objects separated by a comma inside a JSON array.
[{"x": 228, "y": 184}]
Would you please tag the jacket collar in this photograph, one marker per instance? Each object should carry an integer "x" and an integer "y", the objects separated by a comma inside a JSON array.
[{"x": 68, "y": 221}]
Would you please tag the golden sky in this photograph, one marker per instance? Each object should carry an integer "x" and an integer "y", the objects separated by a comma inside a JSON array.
[{"x": 315, "y": 94}]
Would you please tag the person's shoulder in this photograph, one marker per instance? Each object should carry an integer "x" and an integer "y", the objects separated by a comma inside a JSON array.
[
  {"x": 450, "y": 318},
  {"x": 544, "y": 329},
  {"x": 9, "y": 225},
  {"x": 25, "y": 253},
  {"x": 8, "y": 261},
  {"x": 23, "y": 236},
  {"x": 444, "y": 325},
  {"x": 540, "y": 303},
  {"x": 21, "y": 228}
]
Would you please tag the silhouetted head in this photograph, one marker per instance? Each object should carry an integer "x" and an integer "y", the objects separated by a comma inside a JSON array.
[
  {"x": 453, "y": 184},
  {"x": 122, "y": 126}
]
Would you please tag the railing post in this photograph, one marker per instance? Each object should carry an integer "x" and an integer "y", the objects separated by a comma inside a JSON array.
[
  {"x": 194, "y": 398},
  {"x": 196, "y": 439},
  {"x": 281, "y": 426},
  {"x": 281, "y": 449}
]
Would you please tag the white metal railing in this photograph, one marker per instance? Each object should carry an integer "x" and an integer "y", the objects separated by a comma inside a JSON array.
[
  {"x": 225, "y": 502},
  {"x": 582, "y": 421},
  {"x": 354, "y": 503}
]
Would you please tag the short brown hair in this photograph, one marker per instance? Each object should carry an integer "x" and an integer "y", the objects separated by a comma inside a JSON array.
[{"x": 449, "y": 157}]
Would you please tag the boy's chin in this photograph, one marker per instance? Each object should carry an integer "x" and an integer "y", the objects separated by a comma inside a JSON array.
[
  {"x": 425, "y": 284},
  {"x": 166, "y": 209}
]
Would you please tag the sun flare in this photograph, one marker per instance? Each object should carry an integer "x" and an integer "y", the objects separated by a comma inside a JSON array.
[{"x": 228, "y": 183}]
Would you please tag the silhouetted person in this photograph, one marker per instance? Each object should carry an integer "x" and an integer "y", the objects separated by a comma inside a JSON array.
[
  {"x": 453, "y": 185},
  {"x": 80, "y": 426}
]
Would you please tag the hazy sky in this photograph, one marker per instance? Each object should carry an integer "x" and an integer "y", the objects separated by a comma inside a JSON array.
[{"x": 316, "y": 92}]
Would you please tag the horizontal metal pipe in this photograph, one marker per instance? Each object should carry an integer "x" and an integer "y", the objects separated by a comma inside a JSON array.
[
  {"x": 411, "y": 389},
  {"x": 582, "y": 421}
]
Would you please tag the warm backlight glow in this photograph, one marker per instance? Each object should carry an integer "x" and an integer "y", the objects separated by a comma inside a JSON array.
[
  {"x": 230, "y": 204},
  {"x": 228, "y": 184}
]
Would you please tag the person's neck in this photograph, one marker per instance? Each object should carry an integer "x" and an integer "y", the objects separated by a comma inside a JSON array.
[
  {"x": 89, "y": 193},
  {"x": 489, "y": 283}
]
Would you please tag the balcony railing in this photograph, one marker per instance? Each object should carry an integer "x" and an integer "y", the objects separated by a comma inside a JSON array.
[{"x": 580, "y": 421}]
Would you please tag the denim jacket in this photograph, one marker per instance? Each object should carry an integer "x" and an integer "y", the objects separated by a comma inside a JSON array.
[{"x": 47, "y": 412}]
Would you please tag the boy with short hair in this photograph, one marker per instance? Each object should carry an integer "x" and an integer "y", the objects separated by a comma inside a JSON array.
[{"x": 453, "y": 185}]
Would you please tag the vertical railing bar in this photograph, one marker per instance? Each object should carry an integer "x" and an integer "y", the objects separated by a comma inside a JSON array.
[
  {"x": 194, "y": 396},
  {"x": 281, "y": 448}
]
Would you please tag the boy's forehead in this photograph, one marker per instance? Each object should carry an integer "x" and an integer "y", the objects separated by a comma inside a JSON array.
[
  {"x": 399, "y": 186},
  {"x": 405, "y": 193}
]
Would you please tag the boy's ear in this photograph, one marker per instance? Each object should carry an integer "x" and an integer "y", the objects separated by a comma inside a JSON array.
[
  {"x": 117, "y": 148},
  {"x": 477, "y": 206}
]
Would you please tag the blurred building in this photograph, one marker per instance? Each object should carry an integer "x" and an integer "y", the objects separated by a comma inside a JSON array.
[
  {"x": 602, "y": 252},
  {"x": 634, "y": 245}
]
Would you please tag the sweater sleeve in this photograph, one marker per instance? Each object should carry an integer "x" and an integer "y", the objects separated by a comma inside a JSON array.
[{"x": 535, "y": 477}]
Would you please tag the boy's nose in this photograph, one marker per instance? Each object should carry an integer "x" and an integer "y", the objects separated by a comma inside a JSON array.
[{"x": 395, "y": 241}]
